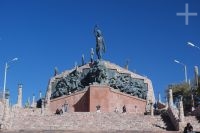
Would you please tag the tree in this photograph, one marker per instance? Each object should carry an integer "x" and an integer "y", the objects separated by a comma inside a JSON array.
[{"x": 184, "y": 90}]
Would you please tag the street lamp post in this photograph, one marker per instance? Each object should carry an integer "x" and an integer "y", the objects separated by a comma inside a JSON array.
[
  {"x": 192, "y": 45},
  {"x": 5, "y": 74},
  {"x": 185, "y": 68}
]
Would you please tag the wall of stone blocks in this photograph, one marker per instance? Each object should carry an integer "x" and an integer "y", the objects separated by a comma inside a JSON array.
[
  {"x": 77, "y": 102},
  {"x": 108, "y": 98}
]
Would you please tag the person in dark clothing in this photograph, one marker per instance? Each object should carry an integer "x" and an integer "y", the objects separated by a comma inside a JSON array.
[
  {"x": 57, "y": 111},
  {"x": 61, "y": 111},
  {"x": 124, "y": 109},
  {"x": 188, "y": 128}
]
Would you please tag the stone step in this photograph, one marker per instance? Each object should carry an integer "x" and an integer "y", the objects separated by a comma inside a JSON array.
[
  {"x": 85, "y": 131},
  {"x": 83, "y": 121}
]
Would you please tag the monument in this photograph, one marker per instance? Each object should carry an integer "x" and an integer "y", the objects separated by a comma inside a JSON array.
[
  {"x": 99, "y": 82},
  {"x": 95, "y": 86}
]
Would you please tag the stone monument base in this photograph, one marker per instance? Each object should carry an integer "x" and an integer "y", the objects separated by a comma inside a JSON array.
[{"x": 101, "y": 98}]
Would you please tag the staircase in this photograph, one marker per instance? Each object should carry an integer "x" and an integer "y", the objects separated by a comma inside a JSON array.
[{"x": 88, "y": 121}]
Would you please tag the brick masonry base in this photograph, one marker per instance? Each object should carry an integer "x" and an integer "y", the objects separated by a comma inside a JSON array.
[{"x": 108, "y": 98}]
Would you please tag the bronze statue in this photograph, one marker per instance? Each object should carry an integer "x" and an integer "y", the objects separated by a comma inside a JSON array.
[
  {"x": 100, "y": 45},
  {"x": 83, "y": 59},
  {"x": 92, "y": 55},
  {"x": 55, "y": 71},
  {"x": 99, "y": 73}
]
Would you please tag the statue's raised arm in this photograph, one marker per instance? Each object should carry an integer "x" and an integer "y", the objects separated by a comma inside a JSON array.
[{"x": 100, "y": 44}]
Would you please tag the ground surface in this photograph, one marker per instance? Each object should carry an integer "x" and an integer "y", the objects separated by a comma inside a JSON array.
[{"x": 84, "y": 131}]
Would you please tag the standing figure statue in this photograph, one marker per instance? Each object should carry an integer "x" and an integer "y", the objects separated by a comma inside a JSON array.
[
  {"x": 92, "y": 55},
  {"x": 83, "y": 59},
  {"x": 100, "y": 45},
  {"x": 55, "y": 71}
]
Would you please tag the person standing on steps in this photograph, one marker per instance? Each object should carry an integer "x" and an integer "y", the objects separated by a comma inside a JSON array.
[{"x": 124, "y": 109}]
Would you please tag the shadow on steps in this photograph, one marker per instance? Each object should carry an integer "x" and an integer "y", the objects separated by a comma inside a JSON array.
[
  {"x": 165, "y": 117},
  {"x": 198, "y": 118}
]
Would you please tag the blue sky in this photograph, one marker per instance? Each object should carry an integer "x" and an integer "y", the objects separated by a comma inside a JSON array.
[{"x": 48, "y": 33}]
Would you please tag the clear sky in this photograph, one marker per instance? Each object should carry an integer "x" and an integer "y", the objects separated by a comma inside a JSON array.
[{"x": 44, "y": 34}]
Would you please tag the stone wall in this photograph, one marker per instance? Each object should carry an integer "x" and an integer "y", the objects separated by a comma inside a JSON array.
[
  {"x": 109, "y": 99},
  {"x": 77, "y": 102},
  {"x": 1, "y": 109}
]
